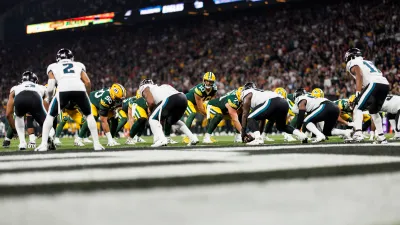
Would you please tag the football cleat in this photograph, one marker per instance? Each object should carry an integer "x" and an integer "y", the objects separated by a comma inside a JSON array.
[
  {"x": 87, "y": 140},
  {"x": 358, "y": 137},
  {"x": 395, "y": 137},
  {"x": 22, "y": 146},
  {"x": 57, "y": 142},
  {"x": 208, "y": 139},
  {"x": 78, "y": 142},
  {"x": 381, "y": 139},
  {"x": 6, "y": 143},
  {"x": 31, "y": 145},
  {"x": 266, "y": 138},
  {"x": 186, "y": 140},
  {"x": 171, "y": 141},
  {"x": 51, "y": 145},
  {"x": 290, "y": 138},
  {"x": 98, "y": 147},
  {"x": 160, "y": 142},
  {"x": 193, "y": 141},
  {"x": 257, "y": 141},
  {"x": 319, "y": 139},
  {"x": 41, "y": 148},
  {"x": 238, "y": 138},
  {"x": 130, "y": 141}
]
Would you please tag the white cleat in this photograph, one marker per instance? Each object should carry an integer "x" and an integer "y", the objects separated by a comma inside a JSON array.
[
  {"x": 257, "y": 141},
  {"x": 98, "y": 147},
  {"x": 31, "y": 145},
  {"x": 22, "y": 146},
  {"x": 395, "y": 137},
  {"x": 207, "y": 140},
  {"x": 319, "y": 139},
  {"x": 171, "y": 141},
  {"x": 160, "y": 142},
  {"x": 57, "y": 142},
  {"x": 130, "y": 141},
  {"x": 238, "y": 138},
  {"x": 87, "y": 140},
  {"x": 113, "y": 143},
  {"x": 78, "y": 142},
  {"x": 381, "y": 139},
  {"x": 139, "y": 139},
  {"x": 266, "y": 138},
  {"x": 193, "y": 141},
  {"x": 41, "y": 148},
  {"x": 290, "y": 138}
]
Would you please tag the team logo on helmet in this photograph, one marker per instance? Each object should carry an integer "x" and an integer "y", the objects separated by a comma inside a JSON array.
[{"x": 318, "y": 93}]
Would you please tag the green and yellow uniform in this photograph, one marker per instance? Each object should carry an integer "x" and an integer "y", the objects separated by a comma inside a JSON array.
[
  {"x": 71, "y": 113},
  {"x": 217, "y": 110},
  {"x": 218, "y": 105},
  {"x": 346, "y": 112},
  {"x": 201, "y": 91},
  {"x": 102, "y": 103},
  {"x": 140, "y": 109}
]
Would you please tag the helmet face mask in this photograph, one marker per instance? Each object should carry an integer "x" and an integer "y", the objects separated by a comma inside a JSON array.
[
  {"x": 64, "y": 54},
  {"x": 352, "y": 101},
  {"x": 209, "y": 79},
  {"x": 351, "y": 54},
  {"x": 146, "y": 81},
  {"x": 239, "y": 92}
]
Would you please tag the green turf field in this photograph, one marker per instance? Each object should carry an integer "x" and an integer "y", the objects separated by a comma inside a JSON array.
[{"x": 223, "y": 141}]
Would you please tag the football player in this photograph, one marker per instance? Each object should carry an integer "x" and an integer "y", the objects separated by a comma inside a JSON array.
[
  {"x": 265, "y": 105},
  {"x": 392, "y": 107},
  {"x": 139, "y": 111},
  {"x": 71, "y": 112},
  {"x": 371, "y": 91},
  {"x": 168, "y": 106},
  {"x": 198, "y": 95},
  {"x": 318, "y": 110},
  {"x": 73, "y": 86},
  {"x": 103, "y": 103},
  {"x": 317, "y": 93},
  {"x": 24, "y": 98},
  {"x": 220, "y": 108}
]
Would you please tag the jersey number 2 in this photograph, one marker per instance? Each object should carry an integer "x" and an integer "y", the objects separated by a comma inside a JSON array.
[{"x": 68, "y": 68}]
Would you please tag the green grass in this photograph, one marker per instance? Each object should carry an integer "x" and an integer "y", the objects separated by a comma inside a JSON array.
[{"x": 222, "y": 141}]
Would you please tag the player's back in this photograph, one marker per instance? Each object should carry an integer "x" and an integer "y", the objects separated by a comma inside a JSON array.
[
  {"x": 371, "y": 74},
  {"x": 68, "y": 75},
  {"x": 312, "y": 103},
  {"x": 162, "y": 92},
  {"x": 259, "y": 96},
  {"x": 391, "y": 104},
  {"x": 29, "y": 86}
]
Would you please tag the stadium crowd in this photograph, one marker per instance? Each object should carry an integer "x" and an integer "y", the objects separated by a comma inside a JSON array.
[{"x": 284, "y": 47}]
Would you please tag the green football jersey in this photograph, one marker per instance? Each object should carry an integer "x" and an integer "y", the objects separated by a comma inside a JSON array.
[
  {"x": 343, "y": 105},
  {"x": 142, "y": 103},
  {"x": 229, "y": 98},
  {"x": 201, "y": 91},
  {"x": 127, "y": 103},
  {"x": 101, "y": 99}
]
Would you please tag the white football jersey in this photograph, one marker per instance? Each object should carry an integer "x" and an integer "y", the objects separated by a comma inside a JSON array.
[
  {"x": 371, "y": 74},
  {"x": 159, "y": 93},
  {"x": 391, "y": 104},
  {"x": 259, "y": 96},
  {"x": 30, "y": 86},
  {"x": 68, "y": 75},
  {"x": 312, "y": 103}
]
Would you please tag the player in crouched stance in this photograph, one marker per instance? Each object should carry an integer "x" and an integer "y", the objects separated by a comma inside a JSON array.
[
  {"x": 167, "y": 106},
  {"x": 24, "y": 98},
  {"x": 73, "y": 86},
  {"x": 318, "y": 110},
  {"x": 265, "y": 105}
]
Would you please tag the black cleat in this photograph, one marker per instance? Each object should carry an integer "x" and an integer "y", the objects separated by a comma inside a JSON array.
[
  {"x": 305, "y": 141},
  {"x": 6, "y": 143},
  {"x": 51, "y": 145}
]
